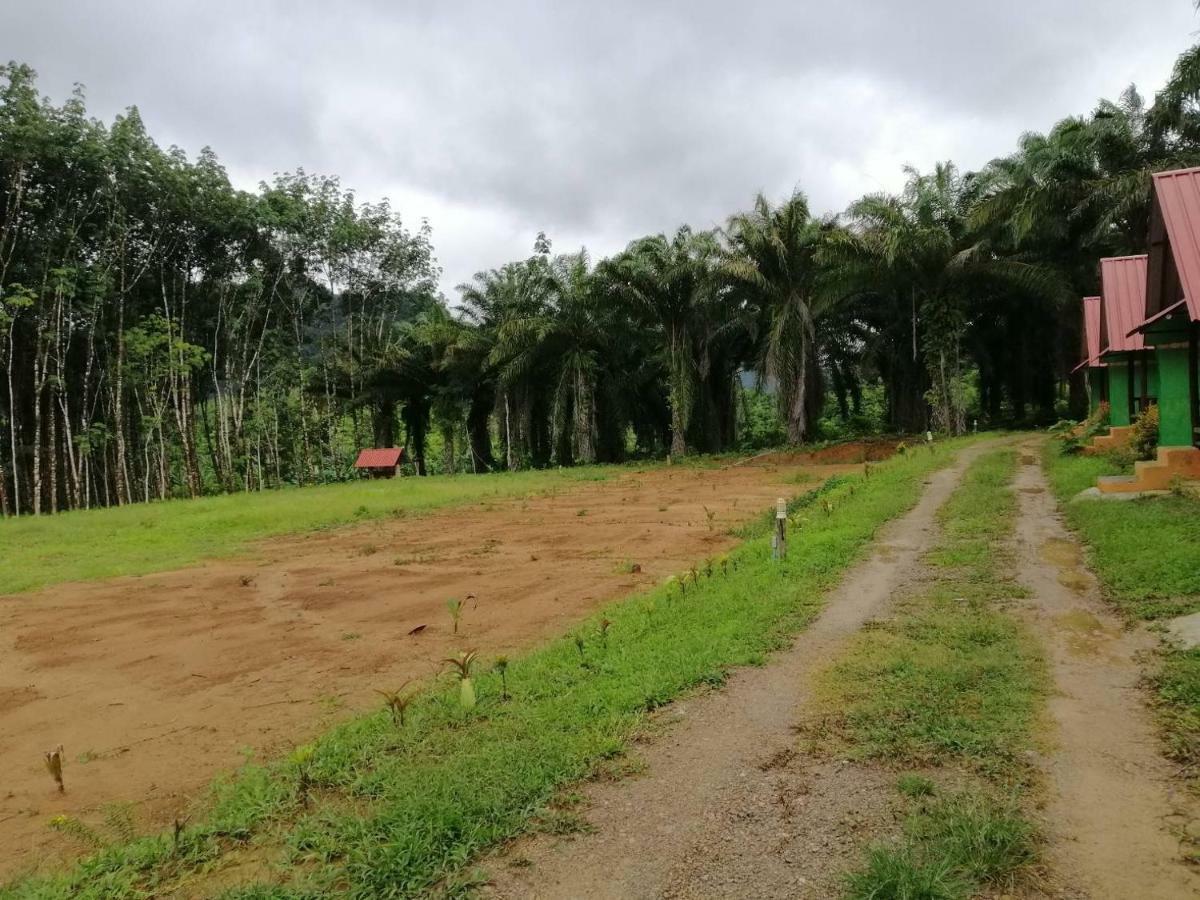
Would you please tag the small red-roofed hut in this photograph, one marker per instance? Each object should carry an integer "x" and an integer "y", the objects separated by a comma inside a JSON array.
[{"x": 380, "y": 463}]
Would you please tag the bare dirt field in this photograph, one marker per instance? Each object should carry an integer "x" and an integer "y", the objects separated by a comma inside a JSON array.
[{"x": 157, "y": 683}]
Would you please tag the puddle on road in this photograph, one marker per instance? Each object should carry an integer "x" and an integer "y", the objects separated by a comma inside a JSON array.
[
  {"x": 1066, "y": 556},
  {"x": 1085, "y": 633},
  {"x": 1027, "y": 460},
  {"x": 1033, "y": 490}
]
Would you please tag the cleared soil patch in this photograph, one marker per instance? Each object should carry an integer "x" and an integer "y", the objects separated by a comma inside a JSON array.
[{"x": 155, "y": 684}]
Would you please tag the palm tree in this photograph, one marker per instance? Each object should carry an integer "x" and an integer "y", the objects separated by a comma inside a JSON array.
[
  {"x": 566, "y": 337},
  {"x": 670, "y": 283},
  {"x": 913, "y": 259},
  {"x": 515, "y": 291},
  {"x": 771, "y": 265}
]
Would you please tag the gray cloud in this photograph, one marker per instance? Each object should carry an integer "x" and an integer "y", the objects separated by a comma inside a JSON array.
[{"x": 595, "y": 122}]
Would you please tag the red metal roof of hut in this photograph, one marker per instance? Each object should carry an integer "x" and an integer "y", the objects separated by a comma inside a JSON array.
[
  {"x": 1091, "y": 333},
  {"x": 1123, "y": 287},
  {"x": 384, "y": 458},
  {"x": 1177, "y": 211}
]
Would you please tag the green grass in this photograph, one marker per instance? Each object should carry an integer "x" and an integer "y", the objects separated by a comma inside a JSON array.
[
  {"x": 951, "y": 679},
  {"x": 1145, "y": 553},
  {"x": 153, "y": 537},
  {"x": 952, "y": 845},
  {"x": 371, "y": 810}
]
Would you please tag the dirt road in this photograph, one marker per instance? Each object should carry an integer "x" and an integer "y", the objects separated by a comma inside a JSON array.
[
  {"x": 726, "y": 808},
  {"x": 155, "y": 684},
  {"x": 1113, "y": 801}
]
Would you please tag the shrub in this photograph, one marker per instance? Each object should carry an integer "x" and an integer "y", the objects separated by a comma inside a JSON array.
[
  {"x": 1144, "y": 439},
  {"x": 1075, "y": 439}
]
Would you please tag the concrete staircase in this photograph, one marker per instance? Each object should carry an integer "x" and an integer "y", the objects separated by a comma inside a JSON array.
[
  {"x": 1118, "y": 436},
  {"x": 1182, "y": 463}
]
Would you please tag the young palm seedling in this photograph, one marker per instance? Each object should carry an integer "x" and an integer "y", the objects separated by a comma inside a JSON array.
[
  {"x": 54, "y": 765},
  {"x": 397, "y": 703},
  {"x": 579, "y": 647},
  {"x": 605, "y": 624},
  {"x": 710, "y": 515},
  {"x": 462, "y": 665},
  {"x": 456, "y": 610},
  {"x": 302, "y": 759},
  {"x": 501, "y": 666}
]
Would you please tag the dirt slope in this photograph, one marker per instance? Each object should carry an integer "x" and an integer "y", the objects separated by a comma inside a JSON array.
[
  {"x": 1113, "y": 801},
  {"x": 155, "y": 684},
  {"x": 725, "y": 807}
]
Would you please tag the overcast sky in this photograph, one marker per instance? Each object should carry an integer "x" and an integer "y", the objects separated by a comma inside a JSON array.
[{"x": 599, "y": 121}]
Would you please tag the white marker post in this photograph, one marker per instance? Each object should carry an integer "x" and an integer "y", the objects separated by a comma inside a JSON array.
[{"x": 779, "y": 539}]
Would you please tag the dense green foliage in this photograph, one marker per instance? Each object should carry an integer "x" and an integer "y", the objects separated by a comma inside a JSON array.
[
  {"x": 372, "y": 809},
  {"x": 163, "y": 334}
]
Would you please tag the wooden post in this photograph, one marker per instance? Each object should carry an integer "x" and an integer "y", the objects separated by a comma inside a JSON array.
[{"x": 779, "y": 538}]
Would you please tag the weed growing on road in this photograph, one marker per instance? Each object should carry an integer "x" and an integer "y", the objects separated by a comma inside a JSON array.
[
  {"x": 950, "y": 680},
  {"x": 951, "y": 677}
]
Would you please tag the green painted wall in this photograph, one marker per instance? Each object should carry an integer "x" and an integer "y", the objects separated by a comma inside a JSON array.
[
  {"x": 1118, "y": 392},
  {"x": 1095, "y": 388},
  {"x": 1174, "y": 398}
]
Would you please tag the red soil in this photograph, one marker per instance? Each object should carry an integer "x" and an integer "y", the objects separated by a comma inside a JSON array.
[{"x": 157, "y": 683}]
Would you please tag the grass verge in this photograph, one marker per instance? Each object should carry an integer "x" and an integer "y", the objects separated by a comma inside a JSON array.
[
  {"x": 951, "y": 680},
  {"x": 373, "y": 809},
  {"x": 154, "y": 537},
  {"x": 1144, "y": 552}
]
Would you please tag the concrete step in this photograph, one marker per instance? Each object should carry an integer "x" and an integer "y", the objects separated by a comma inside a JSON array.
[
  {"x": 1118, "y": 436},
  {"x": 1174, "y": 464}
]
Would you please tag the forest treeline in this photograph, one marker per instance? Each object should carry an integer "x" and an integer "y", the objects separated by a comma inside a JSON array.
[{"x": 163, "y": 334}]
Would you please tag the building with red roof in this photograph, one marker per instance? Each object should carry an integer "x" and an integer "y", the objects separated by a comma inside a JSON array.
[
  {"x": 1171, "y": 315},
  {"x": 380, "y": 463},
  {"x": 1167, "y": 326},
  {"x": 1097, "y": 369},
  {"x": 1132, "y": 369}
]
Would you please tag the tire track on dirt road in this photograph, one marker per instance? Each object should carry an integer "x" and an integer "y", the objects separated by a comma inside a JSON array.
[
  {"x": 1112, "y": 796},
  {"x": 711, "y": 772}
]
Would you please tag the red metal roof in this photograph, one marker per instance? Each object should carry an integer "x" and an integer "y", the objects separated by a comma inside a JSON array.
[
  {"x": 1091, "y": 333},
  {"x": 1159, "y": 316},
  {"x": 1123, "y": 286},
  {"x": 1178, "y": 195},
  {"x": 384, "y": 458}
]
